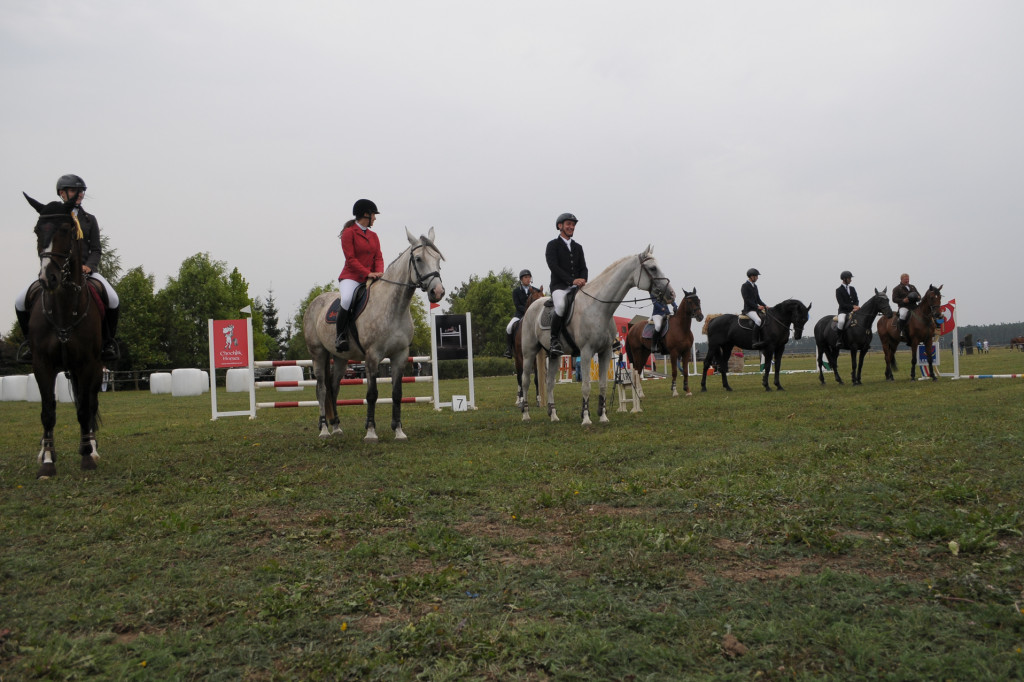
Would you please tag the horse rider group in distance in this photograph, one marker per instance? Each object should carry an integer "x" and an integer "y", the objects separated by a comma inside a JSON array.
[
  {"x": 365, "y": 262},
  {"x": 568, "y": 266}
]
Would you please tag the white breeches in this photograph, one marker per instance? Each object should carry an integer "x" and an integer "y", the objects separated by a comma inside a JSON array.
[
  {"x": 841, "y": 321},
  {"x": 904, "y": 312},
  {"x": 656, "y": 320},
  {"x": 347, "y": 287},
  {"x": 508, "y": 329},
  {"x": 558, "y": 299},
  {"x": 112, "y": 298},
  {"x": 755, "y": 318}
]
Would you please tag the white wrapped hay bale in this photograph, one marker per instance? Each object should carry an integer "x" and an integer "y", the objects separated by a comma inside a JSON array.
[
  {"x": 16, "y": 387},
  {"x": 32, "y": 390},
  {"x": 238, "y": 380},
  {"x": 160, "y": 382},
  {"x": 186, "y": 381},
  {"x": 64, "y": 389},
  {"x": 288, "y": 373},
  {"x": 206, "y": 381}
]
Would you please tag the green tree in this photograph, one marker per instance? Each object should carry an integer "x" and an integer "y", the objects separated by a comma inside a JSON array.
[
  {"x": 202, "y": 290},
  {"x": 420, "y": 328},
  {"x": 110, "y": 261},
  {"x": 297, "y": 342},
  {"x": 140, "y": 329},
  {"x": 268, "y": 310},
  {"x": 490, "y": 301}
]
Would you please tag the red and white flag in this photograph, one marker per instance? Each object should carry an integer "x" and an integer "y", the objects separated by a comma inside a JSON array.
[{"x": 948, "y": 322}]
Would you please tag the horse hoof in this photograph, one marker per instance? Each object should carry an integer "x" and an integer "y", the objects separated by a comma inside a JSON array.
[
  {"x": 526, "y": 416},
  {"x": 400, "y": 435},
  {"x": 603, "y": 419},
  {"x": 46, "y": 471},
  {"x": 324, "y": 433},
  {"x": 370, "y": 438},
  {"x": 88, "y": 463},
  {"x": 689, "y": 395}
]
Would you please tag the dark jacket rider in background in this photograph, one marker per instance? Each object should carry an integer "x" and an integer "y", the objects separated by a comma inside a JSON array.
[
  {"x": 520, "y": 294},
  {"x": 846, "y": 296},
  {"x": 752, "y": 303},
  {"x": 906, "y": 296}
]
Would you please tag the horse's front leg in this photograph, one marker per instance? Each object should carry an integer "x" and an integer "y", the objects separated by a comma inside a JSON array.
[
  {"x": 767, "y": 372},
  {"x": 778, "y": 366},
  {"x": 524, "y": 380},
  {"x": 931, "y": 369},
  {"x": 549, "y": 387},
  {"x": 603, "y": 361},
  {"x": 397, "y": 369},
  {"x": 585, "y": 389},
  {"x": 48, "y": 416},
  {"x": 371, "y": 403},
  {"x": 87, "y": 399}
]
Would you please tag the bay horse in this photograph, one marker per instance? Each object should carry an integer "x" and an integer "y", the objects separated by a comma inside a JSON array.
[
  {"x": 384, "y": 329},
  {"x": 920, "y": 329},
  {"x": 678, "y": 340},
  {"x": 539, "y": 376},
  {"x": 858, "y": 336},
  {"x": 591, "y": 326},
  {"x": 65, "y": 331},
  {"x": 1017, "y": 342},
  {"x": 726, "y": 331}
]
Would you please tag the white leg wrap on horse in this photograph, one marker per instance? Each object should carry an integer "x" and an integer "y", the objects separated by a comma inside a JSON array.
[{"x": 371, "y": 435}]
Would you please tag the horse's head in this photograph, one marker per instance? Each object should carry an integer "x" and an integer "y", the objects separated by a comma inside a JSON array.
[
  {"x": 881, "y": 300},
  {"x": 798, "y": 314},
  {"x": 691, "y": 304},
  {"x": 58, "y": 243},
  {"x": 425, "y": 261},
  {"x": 933, "y": 299},
  {"x": 652, "y": 279},
  {"x": 534, "y": 295}
]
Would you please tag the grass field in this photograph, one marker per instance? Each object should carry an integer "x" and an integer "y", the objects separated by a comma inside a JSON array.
[{"x": 836, "y": 532}]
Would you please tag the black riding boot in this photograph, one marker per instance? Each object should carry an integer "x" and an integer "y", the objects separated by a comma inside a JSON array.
[
  {"x": 24, "y": 351},
  {"x": 841, "y": 337},
  {"x": 508, "y": 346},
  {"x": 901, "y": 327},
  {"x": 757, "y": 344},
  {"x": 555, "y": 348},
  {"x": 341, "y": 343},
  {"x": 110, "y": 351}
]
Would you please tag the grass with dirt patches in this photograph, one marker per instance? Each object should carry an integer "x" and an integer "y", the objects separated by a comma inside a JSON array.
[{"x": 832, "y": 531}]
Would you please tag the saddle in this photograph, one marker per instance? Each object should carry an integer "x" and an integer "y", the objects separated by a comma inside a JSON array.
[
  {"x": 570, "y": 308},
  {"x": 648, "y": 331},
  {"x": 95, "y": 289},
  {"x": 359, "y": 298},
  {"x": 354, "y": 310}
]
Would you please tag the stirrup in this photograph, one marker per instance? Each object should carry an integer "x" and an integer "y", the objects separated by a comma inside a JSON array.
[
  {"x": 110, "y": 351},
  {"x": 341, "y": 343},
  {"x": 24, "y": 352},
  {"x": 554, "y": 348}
]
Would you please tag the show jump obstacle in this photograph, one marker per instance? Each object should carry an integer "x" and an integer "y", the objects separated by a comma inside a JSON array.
[{"x": 231, "y": 347}]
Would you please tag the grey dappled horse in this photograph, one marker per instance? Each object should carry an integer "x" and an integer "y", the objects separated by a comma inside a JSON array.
[
  {"x": 383, "y": 330},
  {"x": 591, "y": 325}
]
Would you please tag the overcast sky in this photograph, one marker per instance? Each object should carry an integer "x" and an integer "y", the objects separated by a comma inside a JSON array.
[{"x": 801, "y": 138}]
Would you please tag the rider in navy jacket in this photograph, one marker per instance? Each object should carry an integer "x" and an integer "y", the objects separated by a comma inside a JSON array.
[
  {"x": 752, "y": 303},
  {"x": 848, "y": 301}
]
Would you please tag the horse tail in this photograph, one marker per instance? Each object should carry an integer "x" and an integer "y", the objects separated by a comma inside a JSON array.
[{"x": 707, "y": 322}]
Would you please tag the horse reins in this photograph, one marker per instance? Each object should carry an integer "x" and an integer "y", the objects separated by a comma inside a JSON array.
[
  {"x": 657, "y": 291},
  {"x": 422, "y": 279},
  {"x": 64, "y": 333}
]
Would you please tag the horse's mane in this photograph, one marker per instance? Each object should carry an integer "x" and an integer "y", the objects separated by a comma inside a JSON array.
[
  {"x": 605, "y": 273},
  {"x": 707, "y": 321},
  {"x": 425, "y": 242}
]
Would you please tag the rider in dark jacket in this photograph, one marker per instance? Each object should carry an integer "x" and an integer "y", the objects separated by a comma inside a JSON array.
[
  {"x": 752, "y": 303},
  {"x": 568, "y": 268},
  {"x": 520, "y": 295},
  {"x": 846, "y": 296},
  {"x": 906, "y": 296}
]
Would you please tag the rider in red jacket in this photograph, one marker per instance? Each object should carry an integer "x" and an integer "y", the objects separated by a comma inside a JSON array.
[{"x": 363, "y": 261}]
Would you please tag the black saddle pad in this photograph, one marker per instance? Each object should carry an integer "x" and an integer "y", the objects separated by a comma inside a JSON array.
[{"x": 358, "y": 304}]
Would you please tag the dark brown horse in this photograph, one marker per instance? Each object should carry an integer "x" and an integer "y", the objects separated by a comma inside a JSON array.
[
  {"x": 920, "y": 329},
  {"x": 678, "y": 340},
  {"x": 517, "y": 350},
  {"x": 1017, "y": 342},
  {"x": 65, "y": 331}
]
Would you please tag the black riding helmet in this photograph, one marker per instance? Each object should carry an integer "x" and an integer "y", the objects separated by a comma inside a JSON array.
[
  {"x": 363, "y": 207},
  {"x": 525, "y": 273},
  {"x": 565, "y": 216},
  {"x": 70, "y": 182},
  {"x": 846, "y": 274},
  {"x": 753, "y": 271}
]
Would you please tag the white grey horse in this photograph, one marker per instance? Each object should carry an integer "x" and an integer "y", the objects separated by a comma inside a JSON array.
[
  {"x": 383, "y": 330},
  {"x": 592, "y": 326}
]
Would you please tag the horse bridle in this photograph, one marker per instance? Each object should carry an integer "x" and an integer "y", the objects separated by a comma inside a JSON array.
[
  {"x": 66, "y": 276},
  {"x": 422, "y": 279},
  {"x": 658, "y": 292}
]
